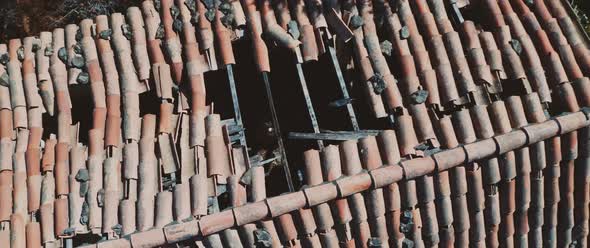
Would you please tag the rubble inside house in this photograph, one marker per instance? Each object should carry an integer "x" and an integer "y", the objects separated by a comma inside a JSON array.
[{"x": 299, "y": 123}]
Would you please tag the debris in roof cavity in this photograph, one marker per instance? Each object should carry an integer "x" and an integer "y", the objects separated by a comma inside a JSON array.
[
  {"x": 516, "y": 46},
  {"x": 48, "y": 51},
  {"x": 62, "y": 53},
  {"x": 105, "y": 34},
  {"x": 404, "y": 32},
  {"x": 378, "y": 83},
  {"x": 78, "y": 61},
  {"x": 4, "y": 58},
  {"x": 340, "y": 102}
]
